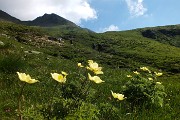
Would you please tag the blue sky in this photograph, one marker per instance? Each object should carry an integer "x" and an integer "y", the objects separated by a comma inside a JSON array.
[
  {"x": 100, "y": 15},
  {"x": 117, "y": 13}
]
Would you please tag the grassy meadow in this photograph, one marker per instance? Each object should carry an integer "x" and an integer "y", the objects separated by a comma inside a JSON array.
[{"x": 28, "y": 50}]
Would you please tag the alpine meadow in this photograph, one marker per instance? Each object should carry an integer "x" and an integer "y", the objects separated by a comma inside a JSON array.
[{"x": 52, "y": 69}]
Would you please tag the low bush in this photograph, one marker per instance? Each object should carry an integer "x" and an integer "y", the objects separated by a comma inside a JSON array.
[
  {"x": 11, "y": 63},
  {"x": 143, "y": 89}
]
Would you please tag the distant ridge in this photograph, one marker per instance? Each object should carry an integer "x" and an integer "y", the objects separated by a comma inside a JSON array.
[{"x": 49, "y": 20}]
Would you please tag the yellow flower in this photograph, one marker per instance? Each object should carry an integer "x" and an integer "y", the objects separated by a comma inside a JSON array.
[
  {"x": 93, "y": 66},
  {"x": 118, "y": 96},
  {"x": 64, "y": 73},
  {"x": 59, "y": 77},
  {"x": 158, "y": 74},
  {"x": 136, "y": 72},
  {"x": 150, "y": 78},
  {"x": 80, "y": 65},
  {"x": 96, "y": 79},
  {"x": 129, "y": 76},
  {"x": 145, "y": 69},
  {"x": 90, "y": 61},
  {"x": 158, "y": 83},
  {"x": 26, "y": 78}
]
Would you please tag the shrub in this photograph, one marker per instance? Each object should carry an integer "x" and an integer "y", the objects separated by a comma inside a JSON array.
[
  {"x": 11, "y": 64},
  {"x": 109, "y": 112},
  {"x": 66, "y": 109},
  {"x": 143, "y": 88},
  {"x": 32, "y": 113},
  {"x": 85, "y": 111},
  {"x": 4, "y": 46}
]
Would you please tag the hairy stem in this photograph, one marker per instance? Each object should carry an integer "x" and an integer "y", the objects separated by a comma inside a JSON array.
[{"x": 19, "y": 102}]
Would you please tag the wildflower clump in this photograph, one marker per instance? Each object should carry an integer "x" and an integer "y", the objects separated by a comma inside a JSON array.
[
  {"x": 95, "y": 69},
  {"x": 74, "y": 96},
  {"x": 142, "y": 88}
]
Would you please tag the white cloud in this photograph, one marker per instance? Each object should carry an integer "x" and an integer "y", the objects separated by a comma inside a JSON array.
[
  {"x": 109, "y": 28},
  {"x": 136, "y": 7},
  {"x": 73, "y": 10}
]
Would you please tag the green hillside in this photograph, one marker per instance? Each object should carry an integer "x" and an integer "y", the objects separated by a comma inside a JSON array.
[
  {"x": 39, "y": 51},
  {"x": 164, "y": 34}
]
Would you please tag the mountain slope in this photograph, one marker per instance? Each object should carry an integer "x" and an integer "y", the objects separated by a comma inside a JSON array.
[
  {"x": 49, "y": 20},
  {"x": 156, "y": 47},
  {"x": 51, "y": 23},
  {"x": 127, "y": 49},
  {"x": 5, "y": 16},
  {"x": 164, "y": 34}
]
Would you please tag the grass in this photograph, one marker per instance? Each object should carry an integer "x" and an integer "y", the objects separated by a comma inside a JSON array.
[{"x": 119, "y": 53}]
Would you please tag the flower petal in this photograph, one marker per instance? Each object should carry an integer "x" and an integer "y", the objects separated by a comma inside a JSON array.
[
  {"x": 26, "y": 78},
  {"x": 58, "y": 77},
  {"x": 96, "y": 79}
]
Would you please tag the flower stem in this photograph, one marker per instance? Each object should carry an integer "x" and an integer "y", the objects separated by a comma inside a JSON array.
[
  {"x": 62, "y": 88},
  {"x": 85, "y": 81},
  {"x": 87, "y": 89},
  {"x": 53, "y": 94},
  {"x": 51, "y": 102},
  {"x": 19, "y": 102}
]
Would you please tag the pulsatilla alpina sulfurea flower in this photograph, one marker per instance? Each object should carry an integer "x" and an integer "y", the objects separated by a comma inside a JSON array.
[
  {"x": 118, "y": 96},
  {"x": 64, "y": 73},
  {"x": 26, "y": 78},
  {"x": 145, "y": 69},
  {"x": 94, "y": 67},
  {"x": 96, "y": 79},
  {"x": 59, "y": 77},
  {"x": 129, "y": 76},
  {"x": 136, "y": 72},
  {"x": 80, "y": 65},
  {"x": 158, "y": 74},
  {"x": 158, "y": 83},
  {"x": 150, "y": 78}
]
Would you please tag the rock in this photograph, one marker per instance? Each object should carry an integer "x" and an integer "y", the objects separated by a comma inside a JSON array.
[
  {"x": 47, "y": 58},
  {"x": 26, "y": 52},
  {"x": 2, "y": 43},
  {"x": 35, "y": 52},
  {"x": 3, "y": 35},
  {"x": 32, "y": 52}
]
